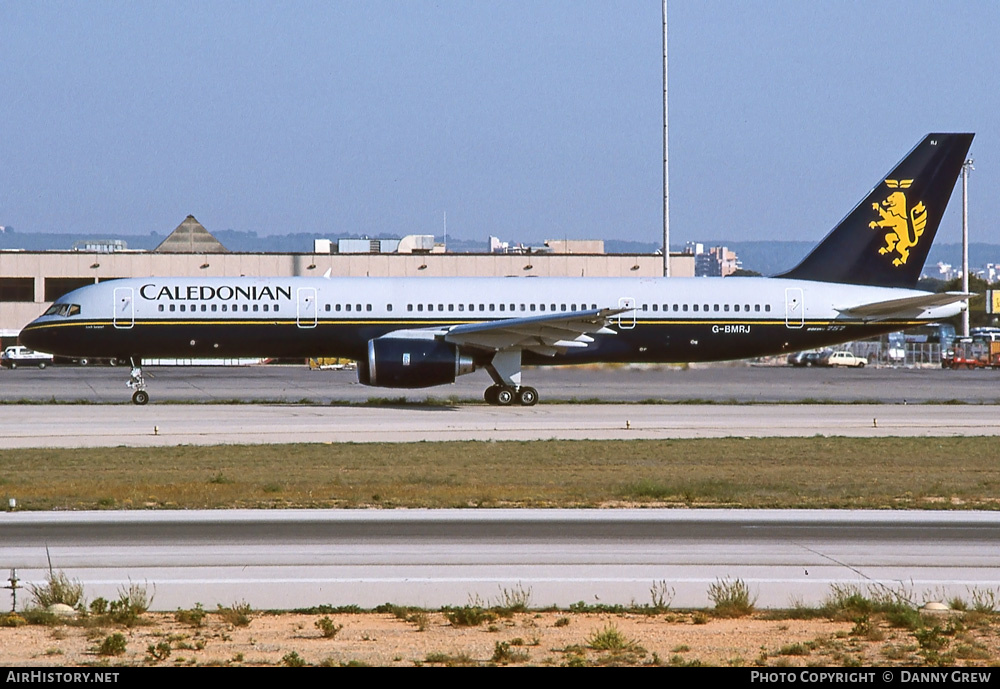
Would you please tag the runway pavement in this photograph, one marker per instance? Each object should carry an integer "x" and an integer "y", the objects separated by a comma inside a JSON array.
[
  {"x": 288, "y": 559},
  {"x": 166, "y": 425}
]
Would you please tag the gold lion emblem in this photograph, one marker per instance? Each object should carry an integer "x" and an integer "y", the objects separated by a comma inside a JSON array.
[{"x": 904, "y": 229}]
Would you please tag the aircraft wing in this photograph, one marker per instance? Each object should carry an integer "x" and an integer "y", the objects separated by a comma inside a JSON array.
[
  {"x": 906, "y": 307},
  {"x": 548, "y": 335}
]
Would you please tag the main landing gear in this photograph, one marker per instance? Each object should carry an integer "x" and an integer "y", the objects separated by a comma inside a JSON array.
[
  {"x": 504, "y": 396},
  {"x": 137, "y": 383},
  {"x": 505, "y": 370}
]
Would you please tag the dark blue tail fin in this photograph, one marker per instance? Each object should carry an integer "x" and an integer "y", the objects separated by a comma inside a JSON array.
[{"x": 884, "y": 241}]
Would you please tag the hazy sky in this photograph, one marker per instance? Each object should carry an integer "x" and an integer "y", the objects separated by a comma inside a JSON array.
[{"x": 529, "y": 120}]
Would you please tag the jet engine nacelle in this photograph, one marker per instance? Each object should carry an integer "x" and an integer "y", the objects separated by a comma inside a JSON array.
[{"x": 399, "y": 362}]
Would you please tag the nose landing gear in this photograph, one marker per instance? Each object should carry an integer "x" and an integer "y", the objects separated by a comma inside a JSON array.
[{"x": 137, "y": 383}]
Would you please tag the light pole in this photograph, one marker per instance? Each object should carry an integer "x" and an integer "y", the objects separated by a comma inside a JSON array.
[
  {"x": 966, "y": 168},
  {"x": 666, "y": 170}
]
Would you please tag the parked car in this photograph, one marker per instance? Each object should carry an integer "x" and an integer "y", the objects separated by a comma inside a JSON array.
[
  {"x": 18, "y": 355},
  {"x": 815, "y": 358},
  {"x": 797, "y": 359},
  {"x": 843, "y": 359}
]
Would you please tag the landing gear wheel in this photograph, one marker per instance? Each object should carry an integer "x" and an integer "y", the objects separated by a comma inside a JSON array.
[
  {"x": 527, "y": 397},
  {"x": 140, "y": 397},
  {"x": 491, "y": 394},
  {"x": 505, "y": 396}
]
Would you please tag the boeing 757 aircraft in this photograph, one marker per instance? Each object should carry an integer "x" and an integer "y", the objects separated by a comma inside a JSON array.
[{"x": 858, "y": 282}]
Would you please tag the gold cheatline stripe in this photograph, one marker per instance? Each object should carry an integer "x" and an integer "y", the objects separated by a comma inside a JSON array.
[{"x": 164, "y": 321}]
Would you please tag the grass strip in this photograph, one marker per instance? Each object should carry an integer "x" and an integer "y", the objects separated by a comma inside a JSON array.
[{"x": 820, "y": 472}]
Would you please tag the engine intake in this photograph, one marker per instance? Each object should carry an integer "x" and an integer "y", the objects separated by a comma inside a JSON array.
[{"x": 395, "y": 362}]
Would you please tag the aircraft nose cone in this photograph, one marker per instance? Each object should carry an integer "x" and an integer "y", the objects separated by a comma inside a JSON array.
[{"x": 37, "y": 338}]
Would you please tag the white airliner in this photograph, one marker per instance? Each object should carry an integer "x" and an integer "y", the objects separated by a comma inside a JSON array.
[{"x": 419, "y": 332}]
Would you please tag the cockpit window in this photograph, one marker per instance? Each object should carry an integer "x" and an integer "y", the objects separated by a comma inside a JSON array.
[{"x": 63, "y": 310}]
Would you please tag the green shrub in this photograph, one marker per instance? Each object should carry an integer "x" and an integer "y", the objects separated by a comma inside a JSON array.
[
  {"x": 160, "y": 651},
  {"x": 131, "y": 604},
  {"x": 238, "y": 614},
  {"x": 731, "y": 598},
  {"x": 517, "y": 599},
  {"x": 468, "y": 615},
  {"x": 194, "y": 617},
  {"x": 611, "y": 639},
  {"x": 58, "y": 588},
  {"x": 327, "y": 628},
  {"x": 113, "y": 645},
  {"x": 293, "y": 659},
  {"x": 503, "y": 653}
]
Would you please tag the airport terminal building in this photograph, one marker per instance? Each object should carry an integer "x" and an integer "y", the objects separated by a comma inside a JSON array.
[{"x": 31, "y": 280}]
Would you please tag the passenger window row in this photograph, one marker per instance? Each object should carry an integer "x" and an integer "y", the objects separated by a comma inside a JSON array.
[
  {"x": 352, "y": 307},
  {"x": 223, "y": 307},
  {"x": 736, "y": 308},
  {"x": 498, "y": 307}
]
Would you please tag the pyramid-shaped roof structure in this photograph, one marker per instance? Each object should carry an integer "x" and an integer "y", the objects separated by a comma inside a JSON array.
[{"x": 191, "y": 237}]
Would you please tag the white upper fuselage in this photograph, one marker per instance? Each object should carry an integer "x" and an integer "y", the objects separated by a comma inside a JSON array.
[{"x": 718, "y": 309}]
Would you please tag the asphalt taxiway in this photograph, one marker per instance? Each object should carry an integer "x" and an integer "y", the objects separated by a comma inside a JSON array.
[
  {"x": 290, "y": 559},
  {"x": 710, "y": 383}
]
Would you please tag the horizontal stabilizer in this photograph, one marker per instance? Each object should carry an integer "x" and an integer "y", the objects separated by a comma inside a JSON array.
[{"x": 909, "y": 306}]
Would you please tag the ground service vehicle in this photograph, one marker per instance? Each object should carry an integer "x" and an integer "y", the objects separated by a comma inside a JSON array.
[{"x": 19, "y": 355}]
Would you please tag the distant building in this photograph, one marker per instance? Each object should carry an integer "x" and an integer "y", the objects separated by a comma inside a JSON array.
[
  {"x": 718, "y": 261},
  {"x": 101, "y": 246},
  {"x": 410, "y": 244},
  {"x": 694, "y": 248}
]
